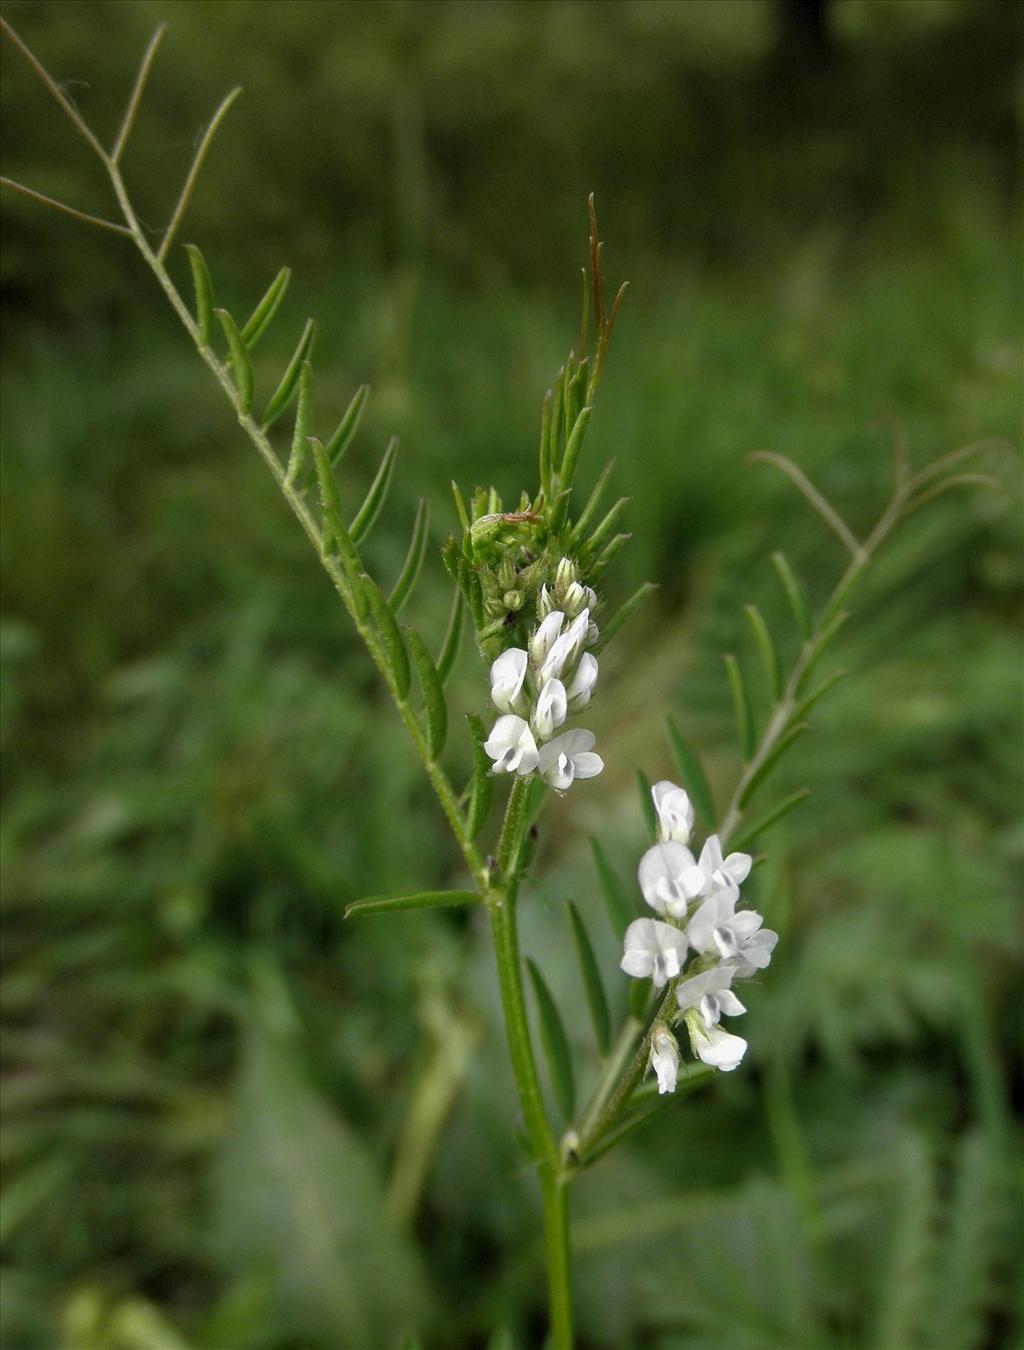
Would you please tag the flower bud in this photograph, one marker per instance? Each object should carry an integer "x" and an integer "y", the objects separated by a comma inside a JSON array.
[{"x": 565, "y": 574}]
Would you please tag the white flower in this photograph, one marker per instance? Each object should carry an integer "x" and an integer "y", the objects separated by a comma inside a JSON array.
[
  {"x": 582, "y": 685},
  {"x": 547, "y": 631},
  {"x": 507, "y": 676},
  {"x": 722, "y": 873},
  {"x": 675, "y": 812},
  {"x": 653, "y": 950},
  {"x": 567, "y": 757},
  {"x": 756, "y": 952},
  {"x": 669, "y": 878},
  {"x": 717, "y": 930},
  {"x": 710, "y": 994},
  {"x": 714, "y": 1046},
  {"x": 664, "y": 1057},
  {"x": 551, "y": 710},
  {"x": 511, "y": 746},
  {"x": 564, "y": 651}
]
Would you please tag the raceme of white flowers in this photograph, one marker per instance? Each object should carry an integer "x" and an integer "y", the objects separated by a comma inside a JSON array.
[
  {"x": 695, "y": 900},
  {"x": 536, "y": 690}
]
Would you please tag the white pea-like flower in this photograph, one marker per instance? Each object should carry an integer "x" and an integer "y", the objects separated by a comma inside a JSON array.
[
  {"x": 581, "y": 686},
  {"x": 551, "y": 709},
  {"x": 541, "y": 641},
  {"x": 674, "y": 810},
  {"x": 664, "y": 1058},
  {"x": 511, "y": 746},
  {"x": 508, "y": 675},
  {"x": 669, "y": 878},
  {"x": 710, "y": 993},
  {"x": 722, "y": 873},
  {"x": 716, "y": 929},
  {"x": 653, "y": 950},
  {"x": 564, "y": 651},
  {"x": 721, "y": 1049},
  {"x": 568, "y": 757}
]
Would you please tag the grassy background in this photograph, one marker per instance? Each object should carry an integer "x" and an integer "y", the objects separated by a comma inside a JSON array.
[{"x": 209, "y": 1079}]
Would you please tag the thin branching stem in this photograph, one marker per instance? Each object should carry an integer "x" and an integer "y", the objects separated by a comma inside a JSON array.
[
  {"x": 193, "y": 173},
  {"x": 72, "y": 211},
  {"x": 806, "y": 488},
  {"x": 136, "y": 94},
  {"x": 69, "y": 109}
]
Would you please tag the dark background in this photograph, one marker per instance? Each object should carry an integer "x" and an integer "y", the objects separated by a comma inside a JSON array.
[{"x": 232, "y": 1120}]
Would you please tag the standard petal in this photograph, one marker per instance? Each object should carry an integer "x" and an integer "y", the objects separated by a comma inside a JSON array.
[
  {"x": 737, "y": 866},
  {"x": 582, "y": 685},
  {"x": 546, "y": 634},
  {"x": 638, "y": 963},
  {"x": 551, "y": 710},
  {"x": 711, "y": 855},
  {"x": 714, "y": 981},
  {"x": 507, "y": 675},
  {"x": 659, "y": 870},
  {"x": 711, "y": 914}
]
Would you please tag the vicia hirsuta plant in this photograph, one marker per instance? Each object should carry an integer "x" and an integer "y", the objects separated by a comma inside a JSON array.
[{"x": 529, "y": 582}]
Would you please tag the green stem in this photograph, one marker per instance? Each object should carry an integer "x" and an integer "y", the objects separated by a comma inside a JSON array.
[{"x": 541, "y": 1142}]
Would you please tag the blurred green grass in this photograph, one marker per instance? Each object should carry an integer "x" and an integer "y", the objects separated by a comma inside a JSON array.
[{"x": 206, "y": 1072}]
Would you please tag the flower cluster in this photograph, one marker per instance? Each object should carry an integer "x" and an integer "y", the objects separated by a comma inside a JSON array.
[
  {"x": 538, "y": 688},
  {"x": 696, "y": 902}
]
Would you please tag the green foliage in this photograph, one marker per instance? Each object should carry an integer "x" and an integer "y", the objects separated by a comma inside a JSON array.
[
  {"x": 593, "y": 987},
  {"x": 555, "y": 1043},
  {"x": 303, "y": 1198}
]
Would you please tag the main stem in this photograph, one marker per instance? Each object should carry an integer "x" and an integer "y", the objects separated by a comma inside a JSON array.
[{"x": 541, "y": 1141}]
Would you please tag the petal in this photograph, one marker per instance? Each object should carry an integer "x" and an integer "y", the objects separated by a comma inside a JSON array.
[
  {"x": 507, "y": 675},
  {"x": 737, "y": 866},
  {"x": 556, "y": 766},
  {"x": 506, "y": 732},
  {"x": 551, "y": 709},
  {"x": 714, "y": 981},
  {"x": 711, "y": 855},
  {"x": 730, "y": 1004},
  {"x": 642, "y": 935},
  {"x": 718, "y": 1048},
  {"x": 587, "y": 765},
  {"x": 715, "y": 910},
  {"x": 547, "y": 632},
  {"x": 665, "y": 1059},
  {"x": 639, "y": 964},
  {"x": 756, "y": 953},
  {"x": 661, "y": 862},
  {"x": 745, "y": 923},
  {"x": 674, "y": 810},
  {"x": 570, "y": 743},
  {"x": 579, "y": 691}
]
